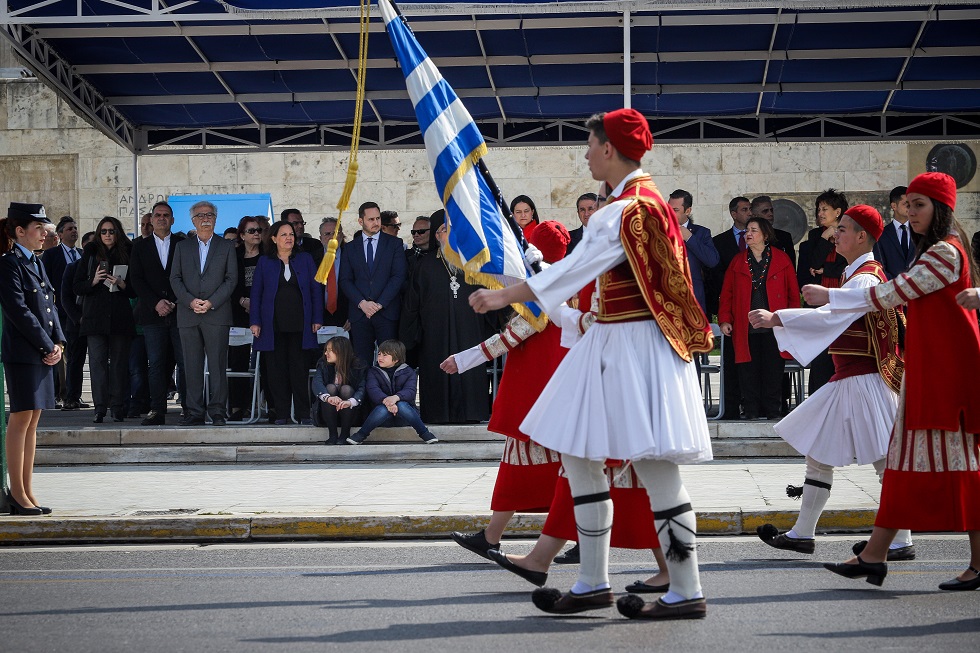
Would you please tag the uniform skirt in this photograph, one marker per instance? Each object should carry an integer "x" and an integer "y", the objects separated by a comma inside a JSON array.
[
  {"x": 622, "y": 392},
  {"x": 931, "y": 481},
  {"x": 526, "y": 478},
  {"x": 844, "y": 421},
  {"x": 29, "y": 387}
]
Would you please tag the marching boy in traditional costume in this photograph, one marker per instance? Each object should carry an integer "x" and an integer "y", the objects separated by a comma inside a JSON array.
[
  {"x": 629, "y": 389},
  {"x": 851, "y": 417}
]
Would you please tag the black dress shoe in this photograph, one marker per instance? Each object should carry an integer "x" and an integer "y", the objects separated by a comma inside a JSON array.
[
  {"x": 538, "y": 578},
  {"x": 118, "y": 416},
  {"x": 894, "y": 555},
  {"x": 873, "y": 572},
  {"x": 98, "y": 418},
  {"x": 218, "y": 420},
  {"x": 957, "y": 585},
  {"x": 477, "y": 542},
  {"x": 154, "y": 418},
  {"x": 192, "y": 421},
  {"x": 633, "y": 607},
  {"x": 17, "y": 509},
  {"x": 570, "y": 557},
  {"x": 639, "y": 587},
  {"x": 771, "y": 536},
  {"x": 550, "y": 600}
]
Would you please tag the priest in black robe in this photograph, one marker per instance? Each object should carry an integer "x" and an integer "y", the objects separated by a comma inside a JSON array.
[{"x": 437, "y": 318}]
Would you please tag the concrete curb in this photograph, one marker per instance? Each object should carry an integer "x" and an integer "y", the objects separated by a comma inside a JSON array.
[{"x": 283, "y": 527}]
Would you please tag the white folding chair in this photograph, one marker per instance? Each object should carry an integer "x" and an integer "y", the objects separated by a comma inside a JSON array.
[{"x": 238, "y": 336}]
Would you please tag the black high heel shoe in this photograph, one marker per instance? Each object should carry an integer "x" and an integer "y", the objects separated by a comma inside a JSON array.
[
  {"x": 17, "y": 509},
  {"x": 872, "y": 572}
]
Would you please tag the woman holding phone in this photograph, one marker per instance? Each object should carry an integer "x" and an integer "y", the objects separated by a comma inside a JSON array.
[{"x": 107, "y": 317}]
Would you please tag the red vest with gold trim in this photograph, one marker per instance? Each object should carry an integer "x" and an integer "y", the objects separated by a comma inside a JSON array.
[
  {"x": 655, "y": 281},
  {"x": 870, "y": 343}
]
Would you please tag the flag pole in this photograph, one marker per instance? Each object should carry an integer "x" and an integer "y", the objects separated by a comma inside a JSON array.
[{"x": 498, "y": 196}]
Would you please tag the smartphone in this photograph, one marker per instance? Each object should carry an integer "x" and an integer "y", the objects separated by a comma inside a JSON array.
[{"x": 104, "y": 266}]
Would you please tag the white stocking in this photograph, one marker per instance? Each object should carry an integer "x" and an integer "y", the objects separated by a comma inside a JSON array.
[
  {"x": 593, "y": 519},
  {"x": 676, "y": 523},
  {"x": 816, "y": 492}
]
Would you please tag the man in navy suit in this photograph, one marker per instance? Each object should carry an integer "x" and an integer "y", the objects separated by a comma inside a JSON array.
[
  {"x": 895, "y": 250},
  {"x": 372, "y": 272},
  {"x": 55, "y": 260},
  {"x": 702, "y": 255}
]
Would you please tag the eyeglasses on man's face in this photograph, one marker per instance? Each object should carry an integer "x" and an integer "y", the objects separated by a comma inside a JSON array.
[
  {"x": 201, "y": 216},
  {"x": 300, "y": 222},
  {"x": 419, "y": 232},
  {"x": 254, "y": 230}
]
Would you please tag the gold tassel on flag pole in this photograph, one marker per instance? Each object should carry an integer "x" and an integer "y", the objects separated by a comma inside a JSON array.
[{"x": 343, "y": 203}]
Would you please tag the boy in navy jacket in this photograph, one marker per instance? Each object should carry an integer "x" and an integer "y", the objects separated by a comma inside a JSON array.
[{"x": 392, "y": 386}]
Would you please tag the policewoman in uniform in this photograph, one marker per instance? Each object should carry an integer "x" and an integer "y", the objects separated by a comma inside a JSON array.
[{"x": 30, "y": 346}]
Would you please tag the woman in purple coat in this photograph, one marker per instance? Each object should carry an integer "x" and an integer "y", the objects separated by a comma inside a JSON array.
[{"x": 285, "y": 309}]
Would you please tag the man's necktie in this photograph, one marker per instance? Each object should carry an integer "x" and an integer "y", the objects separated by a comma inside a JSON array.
[
  {"x": 741, "y": 241},
  {"x": 905, "y": 241},
  {"x": 370, "y": 253},
  {"x": 331, "y": 290}
]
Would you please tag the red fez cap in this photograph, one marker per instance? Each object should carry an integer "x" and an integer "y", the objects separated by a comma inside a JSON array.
[
  {"x": 552, "y": 238},
  {"x": 629, "y": 132},
  {"x": 869, "y": 219},
  {"x": 937, "y": 185}
]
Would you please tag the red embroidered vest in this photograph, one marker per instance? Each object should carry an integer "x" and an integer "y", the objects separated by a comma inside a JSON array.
[
  {"x": 655, "y": 282},
  {"x": 870, "y": 343}
]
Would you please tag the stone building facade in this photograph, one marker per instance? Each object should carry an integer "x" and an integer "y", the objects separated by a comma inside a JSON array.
[{"x": 49, "y": 154}]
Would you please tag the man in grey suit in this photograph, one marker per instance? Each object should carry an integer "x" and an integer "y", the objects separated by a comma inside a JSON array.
[{"x": 204, "y": 273}]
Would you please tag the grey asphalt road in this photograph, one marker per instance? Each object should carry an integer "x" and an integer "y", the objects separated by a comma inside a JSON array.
[{"x": 425, "y": 596}]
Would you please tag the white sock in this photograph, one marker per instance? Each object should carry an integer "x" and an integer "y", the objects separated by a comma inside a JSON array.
[
  {"x": 814, "y": 498},
  {"x": 584, "y": 588},
  {"x": 674, "y": 597},
  {"x": 662, "y": 479},
  {"x": 593, "y": 518}
]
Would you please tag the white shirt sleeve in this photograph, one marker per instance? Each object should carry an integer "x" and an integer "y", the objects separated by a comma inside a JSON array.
[
  {"x": 599, "y": 251},
  {"x": 806, "y": 332}
]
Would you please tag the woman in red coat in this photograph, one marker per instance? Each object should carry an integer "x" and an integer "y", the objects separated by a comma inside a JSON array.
[{"x": 762, "y": 278}]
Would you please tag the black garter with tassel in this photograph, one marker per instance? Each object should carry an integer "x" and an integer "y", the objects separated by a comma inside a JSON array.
[
  {"x": 796, "y": 491},
  {"x": 677, "y": 551}
]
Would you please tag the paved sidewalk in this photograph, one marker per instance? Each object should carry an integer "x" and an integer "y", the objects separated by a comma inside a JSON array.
[{"x": 375, "y": 500}]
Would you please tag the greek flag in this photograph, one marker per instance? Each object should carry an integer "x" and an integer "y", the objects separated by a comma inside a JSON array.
[{"x": 479, "y": 235}]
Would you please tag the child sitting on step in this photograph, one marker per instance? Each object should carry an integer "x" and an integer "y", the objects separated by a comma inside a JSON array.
[{"x": 392, "y": 386}]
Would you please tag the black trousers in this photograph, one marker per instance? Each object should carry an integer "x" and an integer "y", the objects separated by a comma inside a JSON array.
[
  {"x": 75, "y": 366},
  {"x": 733, "y": 397},
  {"x": 289, "y": 376},
  {"x": 333, "y": 418},
  {"x": 108, "y": 360},
  {"x": 761, "y": 379}
]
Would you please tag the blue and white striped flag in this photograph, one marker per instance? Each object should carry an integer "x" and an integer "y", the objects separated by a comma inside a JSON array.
[{"x": 486, "y": 247}]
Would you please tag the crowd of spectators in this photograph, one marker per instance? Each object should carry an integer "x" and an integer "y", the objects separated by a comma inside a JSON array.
[{"x": 153, "y": 312}]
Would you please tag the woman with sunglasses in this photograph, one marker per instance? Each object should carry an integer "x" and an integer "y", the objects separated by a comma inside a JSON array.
[
  {"x": 250, "y": 232},
  {"x": 107, "y": 316}
]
